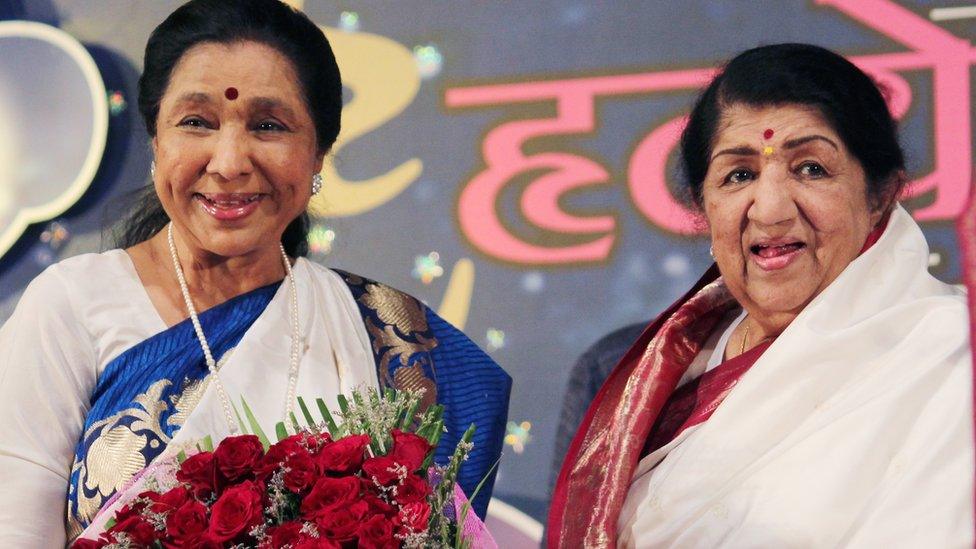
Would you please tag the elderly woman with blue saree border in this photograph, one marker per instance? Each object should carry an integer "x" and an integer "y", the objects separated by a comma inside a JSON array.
[
  {"x": 815, "y": 388},
  {"x": 106, "y": 361}
]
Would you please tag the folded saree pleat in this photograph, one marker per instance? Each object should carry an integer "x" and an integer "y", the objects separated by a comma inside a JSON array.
[
  {"x": 608, "y": 445},
  {"x": 143, "y": 398}
]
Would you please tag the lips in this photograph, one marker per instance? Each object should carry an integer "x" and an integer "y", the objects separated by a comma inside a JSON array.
[
  {"x": 229, "y": 206},
  {"x": 771, "y": 255}
]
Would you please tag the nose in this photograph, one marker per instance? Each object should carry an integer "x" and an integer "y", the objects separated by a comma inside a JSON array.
[
  {"x": 773, "y": 202},
  {"x": 231, "y": 156}
]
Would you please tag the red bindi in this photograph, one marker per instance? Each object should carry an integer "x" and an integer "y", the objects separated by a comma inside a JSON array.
[
  {"x": 768, "y": 133},
  {"x": 231, "y": 93}
]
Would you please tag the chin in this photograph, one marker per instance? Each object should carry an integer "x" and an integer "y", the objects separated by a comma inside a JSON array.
[
  {"x": 231, "y": 246},
  {"x": 781, "y": 298}
]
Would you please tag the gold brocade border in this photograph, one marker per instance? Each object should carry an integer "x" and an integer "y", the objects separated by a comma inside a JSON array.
[{"x": 399, "y": 334}]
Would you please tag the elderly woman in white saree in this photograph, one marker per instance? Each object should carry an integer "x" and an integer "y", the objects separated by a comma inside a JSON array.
[
  {"x": 815, "y": 388},
  {"x": 105, "y": 361}
]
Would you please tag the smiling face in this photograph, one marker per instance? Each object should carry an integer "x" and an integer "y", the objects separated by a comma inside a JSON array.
[
  {"x": 234, "y": 168},
  {"x": 787, "y": 207}
]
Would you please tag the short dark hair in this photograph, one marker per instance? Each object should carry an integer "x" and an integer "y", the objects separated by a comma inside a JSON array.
[
  {"x": 269, "y": 22},
  {"x": 800, "y": 74}
]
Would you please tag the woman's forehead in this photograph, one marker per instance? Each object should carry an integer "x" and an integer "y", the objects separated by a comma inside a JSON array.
[
  {"x": 250, "y": 68},
  {"x": 748, "y": 123}
]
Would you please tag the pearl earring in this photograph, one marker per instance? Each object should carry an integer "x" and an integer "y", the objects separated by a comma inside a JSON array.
[
  {"x": 152, "y": 168},
  {"x": 711, "y": 252},
  {"x": 316, "y": 183}
]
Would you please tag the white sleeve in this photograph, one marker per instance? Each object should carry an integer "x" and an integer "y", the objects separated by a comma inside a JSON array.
[{"x": 47, "y": 374}]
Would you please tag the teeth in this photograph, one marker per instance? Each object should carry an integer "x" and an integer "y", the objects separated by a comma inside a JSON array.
[{"x": 232, "y": 203}]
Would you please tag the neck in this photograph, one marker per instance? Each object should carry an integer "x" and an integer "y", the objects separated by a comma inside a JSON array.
[
  {"x": 754, "y": 330},
  {"x": 213, "y": 279}
]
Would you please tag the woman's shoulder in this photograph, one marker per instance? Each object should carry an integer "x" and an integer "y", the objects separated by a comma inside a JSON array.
[
  {"x": 83, "y": 269},
  {"x": 367, "y": 292},
  {"x": 75, "y": 272},
  {"x": 69, "y": 287}
]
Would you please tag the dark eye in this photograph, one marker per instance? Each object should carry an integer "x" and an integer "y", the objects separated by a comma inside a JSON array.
[
  {"x": 811, "y": 170},
  {"x": 270, "y": 126},
  {"x": 194, "y": 122},
  {"x": 739, "y": 175}
]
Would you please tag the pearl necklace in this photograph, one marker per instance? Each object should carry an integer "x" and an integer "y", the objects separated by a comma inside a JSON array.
[{"x": 290, "y": 398}]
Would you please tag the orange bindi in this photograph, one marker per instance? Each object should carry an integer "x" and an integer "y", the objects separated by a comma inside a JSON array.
[{"x": 231, "y": 93}]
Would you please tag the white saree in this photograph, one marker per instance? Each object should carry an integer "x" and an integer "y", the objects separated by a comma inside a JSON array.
[
  {"x": 81, "y": 314},
  {"x": 854, "y": 428}
]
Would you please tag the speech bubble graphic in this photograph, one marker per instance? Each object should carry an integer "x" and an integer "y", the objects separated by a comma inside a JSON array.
[{"x": 54, "y": 125}]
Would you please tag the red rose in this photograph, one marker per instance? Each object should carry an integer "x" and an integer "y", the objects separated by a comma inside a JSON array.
[
  {"x": 383, "y": 470},
  {"x": 237, "y": 456},
  {"x": 169, "y": 501},
  {"x": 410, "y": 449},
  {"x": 329, "y": 492},
  {"x": 413, "y": 517},
  {"x": 237, "y": 510},
  {"x": 276, "y": 456},
  {"x": 340, "y": 523},
  {"x": 198, "y": 472},
  {"x": 199, "y": 541},
  {"x": 413, "y": 488},
  {"x": 378, "y": 507},
  {"x": 316, "y": 543},
  {"x": 139, "y": 531},
  {"x": 376, "y": 533},
  {"x": 190, "y": 519},
  {"x": 134, "y": 508},
  {"x": 344, "y": 456},
  {"x": 285, "y": 534},
  {"x": 301, "y": 471},
  {"x": 317, "y": 442}
]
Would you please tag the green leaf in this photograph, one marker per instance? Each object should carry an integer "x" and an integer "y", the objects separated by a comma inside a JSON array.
[
  {"x": 255, "y": 426},
  {"x": 208, "y": 443},
  {"x": 308, "y": 415},
  {"x": 294, "y": 422},
  {"x": 280, "y": 431},
  {"x": 343, "y": 404},
  {"x": 409, "y": 416},
  {"x": 240, "y": 422},
  {"x": 327, "y": 417},
  {"x": 181, "y": 457}
]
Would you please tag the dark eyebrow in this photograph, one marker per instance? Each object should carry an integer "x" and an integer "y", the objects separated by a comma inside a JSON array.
[
  {"x": 794, "y": 143},
  {"x": 194, "y": 97},
  {"x": 270, "y": 103},
  {"x": 743, "y": 150}
]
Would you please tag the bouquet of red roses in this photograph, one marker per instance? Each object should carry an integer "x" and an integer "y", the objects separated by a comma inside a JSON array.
[{"x": 367, "y": 480}]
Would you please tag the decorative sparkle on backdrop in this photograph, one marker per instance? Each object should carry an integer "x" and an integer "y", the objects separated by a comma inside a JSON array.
[
  {"x": 427, "y": 267},
  {"x": 116, "y": 102},
  {"x": 935, "y": 259},
  {"x": 320, "y": 239},
  {"x": 517, "y": 435},
  {"x": 55, "y": 234},
  {"x": 676, "y": 265},
  {"x": 496, "y": 339},
  {"x": 43, "y": 256},
  {"x": 429, "y": 60},
  {"x": 349, "y": 21},
  {"x": 533, "y": 282}
]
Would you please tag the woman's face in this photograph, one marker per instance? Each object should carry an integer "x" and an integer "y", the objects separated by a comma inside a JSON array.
[
  {"x": 235, "y": 148},
  {"x": 786, "y": 204}
]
